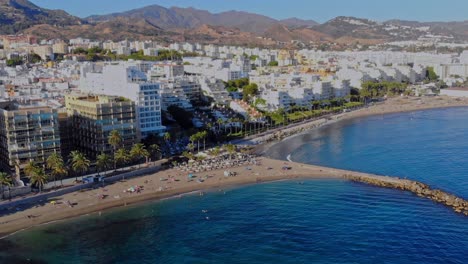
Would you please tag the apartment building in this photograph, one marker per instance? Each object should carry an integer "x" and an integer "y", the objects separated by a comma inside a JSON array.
[
  {"x": 91, "y": 119},
  {"x": 122, "y": 79},
  {"x": 27, "y": 132}
]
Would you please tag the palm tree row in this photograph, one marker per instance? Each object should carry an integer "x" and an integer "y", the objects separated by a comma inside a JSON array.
[
  {"x": 79, "y": 163},
  {"x": 202, "y": 135}
]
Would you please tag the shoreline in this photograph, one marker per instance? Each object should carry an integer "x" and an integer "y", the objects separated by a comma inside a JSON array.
[
  {"x": 18, "y": 221},
  {"x": 87, "y": 201},
  {"x": 389, "y": 107}
]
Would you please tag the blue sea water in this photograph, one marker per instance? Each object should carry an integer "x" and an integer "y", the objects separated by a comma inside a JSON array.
[
  {"x": 429, "y": 146},
  {"x": 320, "y": 221}
]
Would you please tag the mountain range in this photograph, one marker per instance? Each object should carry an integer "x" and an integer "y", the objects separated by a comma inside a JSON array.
[{"x": 236, "y": 27}]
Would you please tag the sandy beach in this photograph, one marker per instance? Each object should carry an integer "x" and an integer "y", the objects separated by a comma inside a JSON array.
[
  {"x": 408, "y": 104},
  {"x": 173, "y": 182},
  {"x": 160, "y": 185}
]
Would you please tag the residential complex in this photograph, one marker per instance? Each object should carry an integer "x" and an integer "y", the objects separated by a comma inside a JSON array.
[
  {"x": 27, "y": 132},
  {"x": 91, "y": 119}
]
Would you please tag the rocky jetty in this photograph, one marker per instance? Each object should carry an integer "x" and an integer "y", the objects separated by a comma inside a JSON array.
[{"x": 458, "y": 204}]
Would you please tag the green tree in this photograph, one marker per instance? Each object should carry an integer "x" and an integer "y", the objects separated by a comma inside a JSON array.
[
  {"x": 273, "y": 63},
  {"x": 216, "y": 151},
  {"x": 79, "y": 163},
  {"x": 249, "y": 91},
  {"x": 5, "y": 180},
  {"x": 231, "y": 149},
  {"x": 57, "y": 166},
  {"x": 190, "y": 147},
  {"x": 121, "y": 157},
  {"x": 14, "y": 62},
  {"x": 38, "y": 178},
  {"x": 34, "y": 58},
  {"x": 154, "y": 149},
  {"x": 115, "y": 140},
  {"x": 260, "y": 101},
  {"x": 203, "y": 136},
  {"x": 196, "y": 137},
  {"x": 30, "y": 168},
  {"x": 232, "y": 89},
  {"x": 167, "y": 137},
  {"x": 104, "y": 162},
  {"x": 431, "y": 75},
  {"x": 138, "y": 152}
]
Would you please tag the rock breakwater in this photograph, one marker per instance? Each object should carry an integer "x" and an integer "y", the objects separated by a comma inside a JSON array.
[{"x": 458, "y": 204}]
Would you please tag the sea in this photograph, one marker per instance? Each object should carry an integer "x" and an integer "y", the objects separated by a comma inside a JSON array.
[{"x": 294, "y": 221}]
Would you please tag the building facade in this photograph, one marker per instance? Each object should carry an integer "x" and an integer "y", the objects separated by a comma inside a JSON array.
[
  {"x": 119, "y": 79},
  {"x": 27, "y": 132},
  {"x": 92, "y": 118}
]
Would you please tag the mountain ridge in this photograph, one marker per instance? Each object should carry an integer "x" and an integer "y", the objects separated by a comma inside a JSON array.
[{"x": 240, "y": 27}]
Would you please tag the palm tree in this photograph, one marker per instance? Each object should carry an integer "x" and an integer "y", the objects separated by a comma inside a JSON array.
[
  {"x": 190, "y": 147},
  {"x": 204, "y": 135},
  {"x": 55, "y": 163},
  {"x": 196, "y": 137},
  {"x": 167, "y": 137},
  {"x": 38, "y": 178},
  {"x": 30, "y": 168},
  {"x": 79, "y": 162},
  {"x": 219, "y": 122},
  {"x": 5, "y": 180},
  {"x": 104, "y": 162},
  {"x": 139, "y": 151},
  {"x": 215, "y": 152},
  {"x": 153, "y": 149},
  {"x": 231, "y": 149},
  {"x": 115, "y": 140},
  {"x": 121, "y": 156}
]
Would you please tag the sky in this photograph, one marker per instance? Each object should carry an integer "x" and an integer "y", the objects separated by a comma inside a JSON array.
[{"x": 318, "y": 10}]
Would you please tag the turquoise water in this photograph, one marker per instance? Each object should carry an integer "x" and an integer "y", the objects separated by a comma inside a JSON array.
[{"x": 320, "y": 221}]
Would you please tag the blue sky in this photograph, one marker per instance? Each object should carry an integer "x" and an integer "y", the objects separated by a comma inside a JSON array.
[{"x": 319, "y": 10}]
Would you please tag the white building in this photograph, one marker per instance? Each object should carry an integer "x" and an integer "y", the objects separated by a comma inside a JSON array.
[{"x": 120, "y": 79}]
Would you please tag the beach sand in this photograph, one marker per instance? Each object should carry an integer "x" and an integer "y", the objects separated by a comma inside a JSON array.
[
  {"x": 177, "y": 183},
  {"x": 173, "y": 183}
]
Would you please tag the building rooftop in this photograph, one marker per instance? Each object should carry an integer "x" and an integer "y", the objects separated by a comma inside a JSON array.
[{"x": 15, "y": 105}]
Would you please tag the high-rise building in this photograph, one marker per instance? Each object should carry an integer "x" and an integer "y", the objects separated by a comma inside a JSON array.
[
  {"x": 92, "y": 118},
  {"x": 27, "y": 132},
  {"x": 123, "y": 79}
]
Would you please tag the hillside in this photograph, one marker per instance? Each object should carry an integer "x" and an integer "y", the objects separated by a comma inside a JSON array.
[
  {"x": 116, "y": 29},
  {"x": 296, "y": 22},
  {"x": 186, "y": 18},
  {"x": 17, "y": 15}
]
